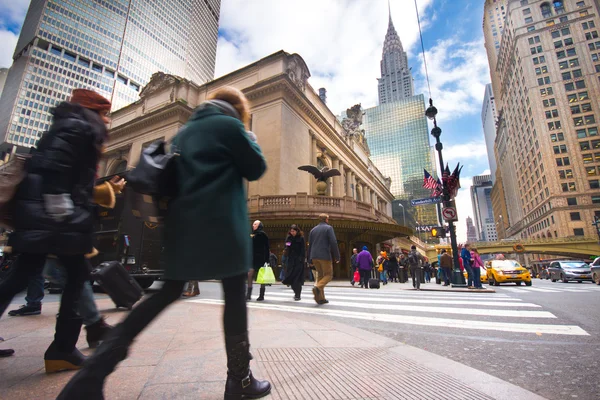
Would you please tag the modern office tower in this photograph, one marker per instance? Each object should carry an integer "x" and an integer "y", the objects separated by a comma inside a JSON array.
[
  {"x": 471, "y": 231},
  {"x": 489, "y": 118},
  {"x": 494, "y": 14},
  {"x": 396, "y": 80},
  {"x": 398, "y": 139},
  {"x": 481, "y": 199},
  {"x": 547, "y": 142},
  {"x": 112, "y": 47}
]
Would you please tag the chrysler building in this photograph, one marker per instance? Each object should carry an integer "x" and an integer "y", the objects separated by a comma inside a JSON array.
[{"x": 396, "y": 80}]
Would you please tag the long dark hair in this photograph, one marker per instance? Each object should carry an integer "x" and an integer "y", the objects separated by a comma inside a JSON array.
[{"x": 295, "y": 227}]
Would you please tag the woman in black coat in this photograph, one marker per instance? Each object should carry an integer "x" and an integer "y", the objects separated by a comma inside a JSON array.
[
  {"x": 296, "y": 252},
  {"x": 54, "y": 214},
  {"x": 260, "y": 256}
]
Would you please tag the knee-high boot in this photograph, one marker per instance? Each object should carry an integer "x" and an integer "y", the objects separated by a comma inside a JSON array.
[
  {"x": 240, "y": 382},
  {"x": 62, "y": 353},
  {"x": 261, "y": 297},
  {"x": 88, "y": 382},
  {"x": 249, "y": 293}
]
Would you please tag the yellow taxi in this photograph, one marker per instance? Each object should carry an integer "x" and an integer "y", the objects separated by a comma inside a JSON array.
[
  {"x": 505, "y": 271},
  {"x": 484, "y": 278}
]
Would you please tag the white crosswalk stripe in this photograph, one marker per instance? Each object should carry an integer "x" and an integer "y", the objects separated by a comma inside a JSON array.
[
  {"x": 461, "y": 311},
  {"x": 548, "y": 290}
]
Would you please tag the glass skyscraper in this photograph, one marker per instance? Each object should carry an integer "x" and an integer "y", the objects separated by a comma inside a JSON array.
[
  {"x": 398, "y": 138},
  {"x": 110, "y": 46}
]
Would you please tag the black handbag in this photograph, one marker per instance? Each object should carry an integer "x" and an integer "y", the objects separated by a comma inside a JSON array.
[{"x": 155, "y": 174}]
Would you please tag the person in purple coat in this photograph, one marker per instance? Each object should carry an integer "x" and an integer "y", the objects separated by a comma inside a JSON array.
[{"x": 365, "y": 265}]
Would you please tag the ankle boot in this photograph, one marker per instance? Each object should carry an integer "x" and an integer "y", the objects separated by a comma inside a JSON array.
[
  {"x": 89, "y": 381},
  {"x": 62, "y": 354},
  {"x": 261, "y": 297},
  {"x": 240, "y": 382},
  {"x": 249, "y": 294},
  {"x": 96, "y": 332}
]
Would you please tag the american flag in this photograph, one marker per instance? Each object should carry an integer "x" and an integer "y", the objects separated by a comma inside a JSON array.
[
  {"x": 429, "y": 181},
  {"x": 438, "y": 191}
]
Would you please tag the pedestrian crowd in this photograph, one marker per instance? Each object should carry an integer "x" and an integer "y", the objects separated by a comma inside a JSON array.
[{"x": 54, "y": 207}]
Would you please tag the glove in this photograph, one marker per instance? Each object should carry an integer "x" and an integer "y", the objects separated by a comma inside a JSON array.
[{"x": 58, "y": 206}]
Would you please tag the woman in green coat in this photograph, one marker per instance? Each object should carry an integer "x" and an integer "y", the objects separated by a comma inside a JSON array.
[{"x": 216, "y": 155}]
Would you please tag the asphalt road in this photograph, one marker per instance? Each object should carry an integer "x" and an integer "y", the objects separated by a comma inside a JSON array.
[{"x": 543, "y": 338}]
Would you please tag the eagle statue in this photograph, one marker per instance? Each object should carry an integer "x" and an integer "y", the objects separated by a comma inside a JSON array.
[{"x": 321, "y": 174}]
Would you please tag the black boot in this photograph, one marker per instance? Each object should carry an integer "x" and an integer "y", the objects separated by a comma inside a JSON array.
[
  {"x": 240, "y": 382},
  {"x": 96, "y": 332},
  {"x": 261, "y": 297},
  {"x": 249, "y": 294},
  {"x": 63, "y": 354},
  {"x": 88, "y": 382}
]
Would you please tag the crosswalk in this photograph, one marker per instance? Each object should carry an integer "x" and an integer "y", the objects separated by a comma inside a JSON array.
[
  {"x": 557, "y": 289},
  {"x": 460, "y": 311}
]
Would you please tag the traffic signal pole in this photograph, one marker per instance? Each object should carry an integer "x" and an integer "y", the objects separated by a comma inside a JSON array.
[{"x": 458, "y": 280}]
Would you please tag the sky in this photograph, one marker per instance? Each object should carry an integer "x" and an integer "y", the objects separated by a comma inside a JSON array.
[{"x": 341, "y": 42}]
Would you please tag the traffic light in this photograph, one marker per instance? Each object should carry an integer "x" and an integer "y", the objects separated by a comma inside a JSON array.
[{"x": 438, "y": 232}]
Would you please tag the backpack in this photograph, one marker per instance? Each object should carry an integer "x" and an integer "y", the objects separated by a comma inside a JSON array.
[{"x": 413, "y": 259}]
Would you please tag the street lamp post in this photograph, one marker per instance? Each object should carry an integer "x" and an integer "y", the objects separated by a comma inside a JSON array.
[
  {"x": 403, "y": 215},
  {"x": 457, "y": 277}
]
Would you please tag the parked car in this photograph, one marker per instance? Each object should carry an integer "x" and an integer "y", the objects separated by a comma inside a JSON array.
[
  {"x": 570, "y": 270},
  {"x": 505, "y": 271},
  {"x": 595, "y": 268}
]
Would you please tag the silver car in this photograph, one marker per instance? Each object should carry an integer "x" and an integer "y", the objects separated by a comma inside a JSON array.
[{"x": 569, "y": 270}]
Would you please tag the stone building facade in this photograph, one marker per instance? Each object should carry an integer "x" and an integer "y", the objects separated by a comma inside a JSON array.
[
  {"x": 294, "y": 127},
  {"x": 547, "y": 143}
]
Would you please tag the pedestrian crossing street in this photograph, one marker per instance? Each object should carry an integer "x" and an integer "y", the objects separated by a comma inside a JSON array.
[
  {"x": 558, "y": 289},
  {"x": 454, "y": 311}
]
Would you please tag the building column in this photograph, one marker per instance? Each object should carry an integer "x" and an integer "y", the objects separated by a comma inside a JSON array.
[
  {"x": 349, "y": 183},
  {"x": 315, "y": 151},
  {"x": 337, "y": 180}
]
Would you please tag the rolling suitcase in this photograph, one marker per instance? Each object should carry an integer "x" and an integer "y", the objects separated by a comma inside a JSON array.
[
  {"x": 123, "y": 289},
  {"x": 373, "y": 283}
]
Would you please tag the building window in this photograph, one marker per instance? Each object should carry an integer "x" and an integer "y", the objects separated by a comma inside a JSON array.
[
  {"x": 549, "y": 102},
  {"x": 588, "y": 25},
  {"x": 594, "y": 184},
  {"x": 530, "y": 28},
  {"x": 595, "y": 199},
  {"x": 552, "y": 114},
  {"x": 566, "y": 76},
  {"x": 580, "y": 4},
  {"x": 528, "y": 20},
  {"x": 590, "y": 171},
  {"x": 578, "y": 232},
  {"x": 554, "y": 125},
  {"x": 557, "y": 137},
  {"x": 571, "y": 201},
  {"x": 559, "y": 54},
  {"x": 575, "y": 216},
  {"x": 591, "y": 35}
]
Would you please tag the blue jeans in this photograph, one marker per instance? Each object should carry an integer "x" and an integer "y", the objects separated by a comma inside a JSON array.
[
  {"x": 477, "y": 277},
  {"x": 427, "y": 276},
  {"x": 87, "y": 305},
  {"x": 35, "y": 291},
  {"x": 383, "y": 276},
  {"x": 469, "y": 274}
]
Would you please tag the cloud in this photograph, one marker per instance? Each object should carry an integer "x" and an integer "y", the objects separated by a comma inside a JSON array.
[
  {"x": 341, "y": 43},
  {"x": 8, "y": 41},
  {"x": 464, "y": 152},
  {"x": 458, "y": 72},
  {"x": 12, "y": 15}
]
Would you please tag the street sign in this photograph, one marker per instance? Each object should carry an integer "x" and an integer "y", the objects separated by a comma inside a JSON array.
[
  {"x": 429, "y": 200},
  {"x": 449, "y": 214},
  {"x": 424, "y": 228}
]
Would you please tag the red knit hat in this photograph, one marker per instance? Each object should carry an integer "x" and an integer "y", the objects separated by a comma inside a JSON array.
[{"x": 90, "y": 100}]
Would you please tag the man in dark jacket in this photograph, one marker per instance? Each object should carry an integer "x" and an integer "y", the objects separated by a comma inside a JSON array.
[
  {"x": 446, "y": 265},
  {"x": 415, "y": 260},
  {"x": 54, "y": 214},
  {"x": 321, "y": 244}
]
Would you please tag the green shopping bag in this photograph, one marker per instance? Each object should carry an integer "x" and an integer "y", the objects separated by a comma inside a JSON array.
[{"x": 265, "y": 275}]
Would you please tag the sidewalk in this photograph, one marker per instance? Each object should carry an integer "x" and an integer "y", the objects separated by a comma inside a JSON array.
[{"x": 181, "y": 356}]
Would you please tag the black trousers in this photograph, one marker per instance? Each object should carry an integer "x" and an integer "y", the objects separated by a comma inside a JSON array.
[
  {"x": 235, "y": 318},
  {"x": 30, "y": 266},
  {"x": 365, "y": 275}
]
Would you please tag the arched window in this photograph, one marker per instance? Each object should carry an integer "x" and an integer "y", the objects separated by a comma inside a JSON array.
[
  {"x": 546, "y": 10},
  {"x": 118, "y": 167}
]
